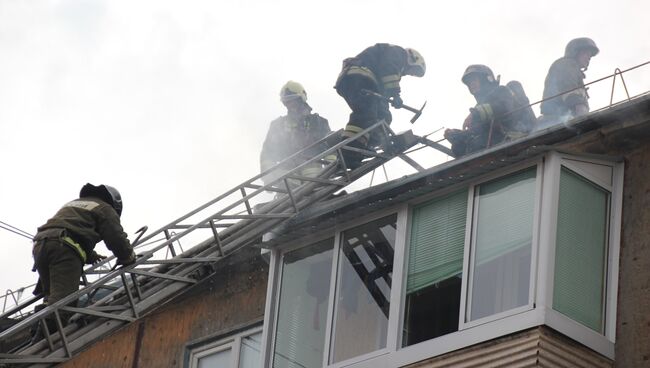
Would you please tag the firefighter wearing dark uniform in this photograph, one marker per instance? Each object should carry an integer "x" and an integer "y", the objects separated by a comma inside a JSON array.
[
  {"x": 567, "y": 75},
  {"x": 379, "y": 69},
  {"x": 67, "y": 241},
  {"x": 496, "y": 117},
  {"x": 293, "y": 132}
]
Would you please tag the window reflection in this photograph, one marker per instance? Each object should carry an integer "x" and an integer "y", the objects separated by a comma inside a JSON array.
[
  {"x": 302, "y": 312},
  {"x": 502, "y": 255},
  {"x": 363, "y": 289}
]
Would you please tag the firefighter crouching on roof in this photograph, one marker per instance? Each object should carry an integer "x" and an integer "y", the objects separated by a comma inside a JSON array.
[
  {"x": 498, "y": 115},
  {"x": 67, "y": 241},
  {"x": 293, "y": 132},
  {"x": 378, "y": 68},
  {"x": 567, "y": 75}
]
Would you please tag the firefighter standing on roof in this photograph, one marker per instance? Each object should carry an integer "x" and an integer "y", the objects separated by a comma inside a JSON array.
[
  {"x": 379, "y": 69},
  {"x": 67, "y": 241},
  {"x": 498, "y": 115},
  {"x": 291, "y": 133},
  {"x": 567, "y": 75}
]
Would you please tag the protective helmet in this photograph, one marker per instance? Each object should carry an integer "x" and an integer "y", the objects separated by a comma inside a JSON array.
[
  {"x": 104, "y": 192},
  {"x": 574, "y": 46},
  {"x": 293, "y": 90},
  {"x": 416, "y": 65},
  {"x": 480, "y": 69}
]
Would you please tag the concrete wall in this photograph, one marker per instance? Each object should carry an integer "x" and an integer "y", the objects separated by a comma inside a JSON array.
[
  {"x": 233, "y": 297},
  {"x": 633, "y": 320}
]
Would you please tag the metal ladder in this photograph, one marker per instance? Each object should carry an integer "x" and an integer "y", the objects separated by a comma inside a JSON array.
[{"x": 120, "y": 296}]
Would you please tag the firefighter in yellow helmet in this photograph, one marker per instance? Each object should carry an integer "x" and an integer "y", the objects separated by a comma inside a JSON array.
[
  {"x": 292, "y": 132},
  {"x": 378, "y": 68},
  {"x": 567, "y": 75}
]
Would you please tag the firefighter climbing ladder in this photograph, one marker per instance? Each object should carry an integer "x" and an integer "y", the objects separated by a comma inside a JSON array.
[{"x": 120, "y": 296}]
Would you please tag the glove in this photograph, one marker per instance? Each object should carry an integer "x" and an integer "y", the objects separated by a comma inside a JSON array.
[
  {"x": 126, "y": 261},
  {"x": 397, "y": 102},
  {"x": 94, "y": 258}
]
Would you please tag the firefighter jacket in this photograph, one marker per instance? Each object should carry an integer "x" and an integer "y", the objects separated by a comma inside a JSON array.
[
  {"x": 86, "y": 221},
  {"x": 564, "y": 75},
  {"x": 288, "y": 135},
  {"x": 497, "y": 110},
  {"x": 382, "y": 63}
]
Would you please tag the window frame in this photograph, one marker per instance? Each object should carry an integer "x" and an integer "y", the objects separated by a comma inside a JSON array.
[
  {"x": 223, "y": 341},
  {"x": 602, "y": 343},
  {"x": 538, "y": 311},
  {"x": 470, "y": 246}
]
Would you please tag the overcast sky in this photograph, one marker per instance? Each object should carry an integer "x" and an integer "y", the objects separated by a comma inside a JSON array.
[{"x": 170, "y": 101}]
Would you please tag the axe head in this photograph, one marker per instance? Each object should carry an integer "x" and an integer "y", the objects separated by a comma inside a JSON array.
[{"x": 418, "y": 113}]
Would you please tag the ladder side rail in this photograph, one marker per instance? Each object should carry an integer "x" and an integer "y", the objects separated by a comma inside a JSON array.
[
  {"x": 237, "y": 188},
  {"x": 247, "y": 197}
]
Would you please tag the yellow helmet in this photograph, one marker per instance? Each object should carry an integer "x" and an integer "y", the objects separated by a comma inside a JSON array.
[
  {"x": 416, "y": 65},
  {"x": 293, "y": 90}
]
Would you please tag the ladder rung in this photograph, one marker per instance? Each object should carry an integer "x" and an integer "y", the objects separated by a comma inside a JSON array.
[
  {"x": 260, "y": 216},
  {"x": 163, "y": 276},
  {"x": 180, "y": 226},
  {"x": 109, "y": 308},
  {"x": 97, "y": 313},
  {"x": 183, "y": 260},
  {"x": 14, "y": 358},
  {"x": 318, "y": 180}
]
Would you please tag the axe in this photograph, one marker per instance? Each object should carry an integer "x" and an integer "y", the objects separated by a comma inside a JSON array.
[{"x": 389, "y": 100}]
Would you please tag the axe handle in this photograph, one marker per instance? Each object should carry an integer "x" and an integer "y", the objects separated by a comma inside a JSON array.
[
  {"x": 380, "y": 96},
  {"x": 409, "y": 108}
]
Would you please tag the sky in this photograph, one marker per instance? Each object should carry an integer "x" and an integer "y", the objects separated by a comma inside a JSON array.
[{"x": 169, "y": 101}]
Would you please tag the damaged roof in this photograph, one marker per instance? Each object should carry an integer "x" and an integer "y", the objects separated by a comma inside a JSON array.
[{"x": 612, "y": 130}]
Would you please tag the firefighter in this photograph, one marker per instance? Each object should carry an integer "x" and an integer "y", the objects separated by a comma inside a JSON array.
[
  {"x": 379, "y": 69},
  {"x": 293, "y": 132},
  {"x": 500, "y": 114},
  {"x": 567, "y": 75},
  {"x": 67, "y": 241}
]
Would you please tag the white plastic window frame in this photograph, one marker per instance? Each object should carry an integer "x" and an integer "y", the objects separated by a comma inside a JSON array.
[
  {"x": 470, "y": 247},
  {"x": 537, "y": 312},
  {"x": 602, "y": 343},
  {"x": 232, "y": 343},
  {"x": 275, "y": 274}
]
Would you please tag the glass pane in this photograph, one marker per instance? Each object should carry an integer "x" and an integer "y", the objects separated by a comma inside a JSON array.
[
  {"x": 220, "y": 359},
  {"x": 580, "y": 251},
  {"x": 504, "y": 226},
  {"x": 363, "y": 289},
  {"x": 250, "y": 351},
  {"x": 302, "y": 311},
  {"x": 435, "y": 267}
]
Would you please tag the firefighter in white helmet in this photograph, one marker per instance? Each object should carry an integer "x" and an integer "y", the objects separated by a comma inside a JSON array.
[
  {"x": 378, "y": 68},
  {"x": 293, "y": 132}
]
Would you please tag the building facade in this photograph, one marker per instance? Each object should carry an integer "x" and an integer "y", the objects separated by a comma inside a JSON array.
[{"x": 534, "y": 253}]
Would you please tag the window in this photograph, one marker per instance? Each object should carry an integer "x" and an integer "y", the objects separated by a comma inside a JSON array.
[
  {"x": 238, "y": 351},
  {"x": 581, "y": 250},
  {"x": 302, "y": 312},
  {"x": 363, "y": 292},
  {"x": 435, "y": 266},
  {"x": 534, "y": 245},
  {"x": 502, "y": 243}
]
